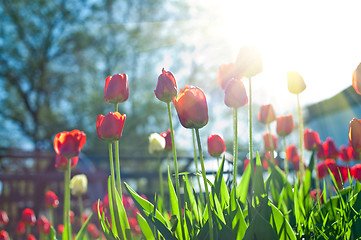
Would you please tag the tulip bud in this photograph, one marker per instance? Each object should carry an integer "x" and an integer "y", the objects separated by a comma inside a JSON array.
[
  {"x": 354, "y": 155},
  {"x": 225, "y": 73},
  {"x": 156, "y": 143},
  {"x": 216, "y": 145},
  {"x": 69, "y": 144},
  {"x": 355, "y": 172},
  {"x": 110, "y": 127},
  {"x": 51, "y": 200},
  {"x": 268, "y": 146},
  {"x": 116, "y": 88},
  {"x": 311, "y": 139},
  {"x": 43, "y": 225},
  {"x": 4, "y": 219},
  {"x": 31, "y": 237},
  {"x": 330, "y": 148},
  {"x": 191, "y": 106},
  {"x": 168, "y": 140},
  {"x": 295, "y": 82},
  {"x": 292, "y": 154},
  {"x": 60, "y": 229},
  {"x": 321, "y": 153},
  {"x": 28, "y": 217},
  {"x": 20, "y": 228},
  {"x": 323, "y": 167},
  {"x": 235, "y": 94},
  {"x": 356, "y": 79},
  {"x": 355, "y": 134},
  {"x": 79, "y": 185},
  {"x": 285, "y": 125},
  {"x": 166, "y": 88},
  {"x": 249, "y": 62},
  {"x": 266, "y": 114},
  {"x": 344, "y": 155},
  {"x": 4, "y": 235}
]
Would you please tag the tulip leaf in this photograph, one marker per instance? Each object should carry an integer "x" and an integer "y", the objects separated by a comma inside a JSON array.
[
  {"x": 104, "y": 224},
  {"x": 220, "y": 186},
  {"x": 167, "y": 234},
  {"x": 281, "y": 225},
  {"x": 52, "y": 235},
  {"x": 242, "y": 188},
  {"x": 122, "y": 215},
  {"x": 116, "y": 226},
  {"x": 82, "y": 232},
  {"x": 235, "y": 217},
  {"x": 174, "y": 205},
  {"x": 147, "y": 232},
  {"x": 190, "y": 198}
]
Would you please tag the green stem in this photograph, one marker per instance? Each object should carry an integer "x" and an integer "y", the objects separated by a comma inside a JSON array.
[
  {"x": 286, "y": 160},
  {"x": 317, "y": 180},
  {"x": 271, "y": 143},
  {"x": 235, "y": 148},
  {"x": 210, "y": 221},
  {"x": 250, "y": 122},
  {"x": 300, "y": 131},
  {"x": 117, "y": 164},
  {"x": 176, "y": 169},
  {"x": 111, "y": 162},
  {"x": 67, "y": 176},
  {"x": 80, "y": 203},
  {"x": 160, "y": 172},
  {"x": 197, "y": 170},
  {"x": 51, "y": 216}
]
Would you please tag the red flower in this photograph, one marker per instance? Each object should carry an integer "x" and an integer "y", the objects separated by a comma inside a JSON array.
[
  {"x": 356, "y": 79},
  {"x": 43, "y": 225},
  {"x": 352, "y": 153},
  {"x": 4, "y": 235},
  {"x": 20, "y": 228},
  {"x": 4, "y": 219},
  {"x": 225, "y": 73},
  {"x": 266, "y": 114},
  {"x": 265, "y": 164},
  {"x": 106, "y": 200},
  {"x": 285, "y": 125},
  {"x": 166, "y": 88},
  {"x": 101, "y": 207},
  {"x": 128, "y": 202},
  {"x": 340, "y": 174},
  {"x": 316, "y": 195},
  {"x": 295, "y": 82},
  {"x": 191, "y": 106},
  {"x": 321, "y": 153},
  {"x": 344, "y": 155},
  {"x": 311, "y": 139},
  {"x": 249, "y": 62},
  {"x": 28, "y": 217},
  {"x": 93, "y": 230},
  {"x": 330, "y": 148},
  {"x": 355, "y": 134},
  {"x": 31, "y": 237},
  {"x": 296, "y": 164},
  {"x": 168, "y": 140},
  {"x": 69, "y": 144},
  {"x": 60, "y": 229},
  {"x": 51, "y": 200},
  {"x": 61, "y": 163},
  {"x": 110, "y": 127},
  {"x": 235, "y": 94},
  {"x": 116, "y": 88},
  {"x": 355, "y": 172},
  {"x": 292, "y": 154},
  {"x": 324, "y": 166},
  {"x": 269, "y": 146},
  {"x": 216, "y": 145}
]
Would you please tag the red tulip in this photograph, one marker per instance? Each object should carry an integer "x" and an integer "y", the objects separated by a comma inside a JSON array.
[
  {"x": 355, "y": 134},
  {"x": 60, "y": 229},
  {"x": 330, "y": 148},
  {"x": 344, "y": 155},
  {"x": 249, "y": 62},
  {"x": 43, "y": 225},
  {"x": 235, "y": 94},
  {"x": 191, "y": 106},
  {"x": 51, "y": 200},
  {"x": 352, "y": 153},
  {"x": 71, "y": 216},
  {"x": 296, "y": 164},
  {"x": 316, "y": 195},
  {"x": 4, "y": 219},
  {"x": 291, "y": 153},
  {"x": 101, "y": 207},
  {"x": 295, "y": 82},
  {"x": 267, "y": 143},
  {"x": 106, "y": 201},
  {"x": 28, "y": 217},
  {"x": 216, "y": 145},
  {"x": 168, "y": 140},
  {"x": 69, "y": 144},
  {"x": 285, "y": 125},
  {"x": 355, "y": 171},
  {"x": 4, "y": 235},
  {"x": 321, "y": 153},
  {"x": 166, "y": 88},
  {"x": 31, "y": 237},
  {"x": 340, "y": 174},
  {"x": 61, "y": 163},
  {"x": 116, "y": 88},
  {"x": 110, "y": 127},
  {"x": 266, "y": 114},
  {"x": 356, "y": 79},
  {"x": 323, "y": 167},
  {"x": 225, "y": 73},
  {"x": 311, "y": 139},
  {"x": 265, "y": 164},
  {"x": 93, "y": 230},
  {"x": 20, "y": 228}
]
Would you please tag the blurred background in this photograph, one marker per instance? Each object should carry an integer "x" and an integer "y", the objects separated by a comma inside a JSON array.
[{"x": 56, "y": 54}]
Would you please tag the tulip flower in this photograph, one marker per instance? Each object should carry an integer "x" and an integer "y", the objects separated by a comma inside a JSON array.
[
  {"x": 20, "y": 228},
  {"x": 191, "y": 107},
  {"x": 355, "y": 134},
  {"x": 295, "y": 82},
  {"x": 69, "y": 144},
  {"x": 235, "y": 94},
  {"x": 356, "y": 79},
  {"x": 4, "y": 219},
  {"x": 291, "y": 153},
  {"x": 51, "y": 200},
  {"x": 344, "y": 155},
  {"x": 341, "y": 175},
  {"x": 216, "y": 145},
  {"x": 322, "y": 168},
  {"x": 106, "y": 200},
  {"x": 321, "y": 153},
  {"x": 266, "y": 114},
  {"x": 43, "y": 225},
  {"x": 60, "y": 229},
  {"x": 110, "y": 127},
  {"x": 31, "y": 237},
  {"x": 28, "y": 217},
  {"x": 116, "y": 88},
  {"x": 61, "y": 162},
  {"x": 354, "y": 155},
  {"x": 156, "y": 143},
  {"x": 316, "y": 195},
  {"x": 311, "y": 139},
  {"x": 268, "y": 146},
  {"x": 4, "y": 235},
  {"x": 249, "y": 62},
  {"x": 166, "y": 88},
  {"x": 225, "y": 73},
  {"x": 93, "y": 230},
  {"x": 168, "y": 140},
  {"x": 330, "y": 148},
  {"x": 355, "y": 172},
  {"x": 79, "y": 184},
  {"x": 285, "y": 125}
]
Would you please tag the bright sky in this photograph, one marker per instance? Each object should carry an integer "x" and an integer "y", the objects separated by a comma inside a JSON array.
[{"x": 319, "y": 39}]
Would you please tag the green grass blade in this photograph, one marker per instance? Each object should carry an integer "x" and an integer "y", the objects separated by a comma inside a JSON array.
[{"x": 82, "y": 232}]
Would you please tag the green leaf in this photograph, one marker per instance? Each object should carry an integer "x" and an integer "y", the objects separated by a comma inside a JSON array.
[
  {"x": 104, "y": 224},
  {"x": 167, "y": 234},
  {"x": 82, "y": 232},
  {"x": 258, "y": 184},
  {"x": 116, "y": 226},
  {"x": 190, "y": 198},
  {"x": 52, "y": 235},
  {"x": 174, "y": 205},
  {"x": 146, "y": 230},
  {"x": 242, "y": 188},
  {"x": 281, "y": 224},
  {"x": 220, "y": 186},
  {"x": 122, "y": 215},
  {"x": 235, "y": 218}
]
